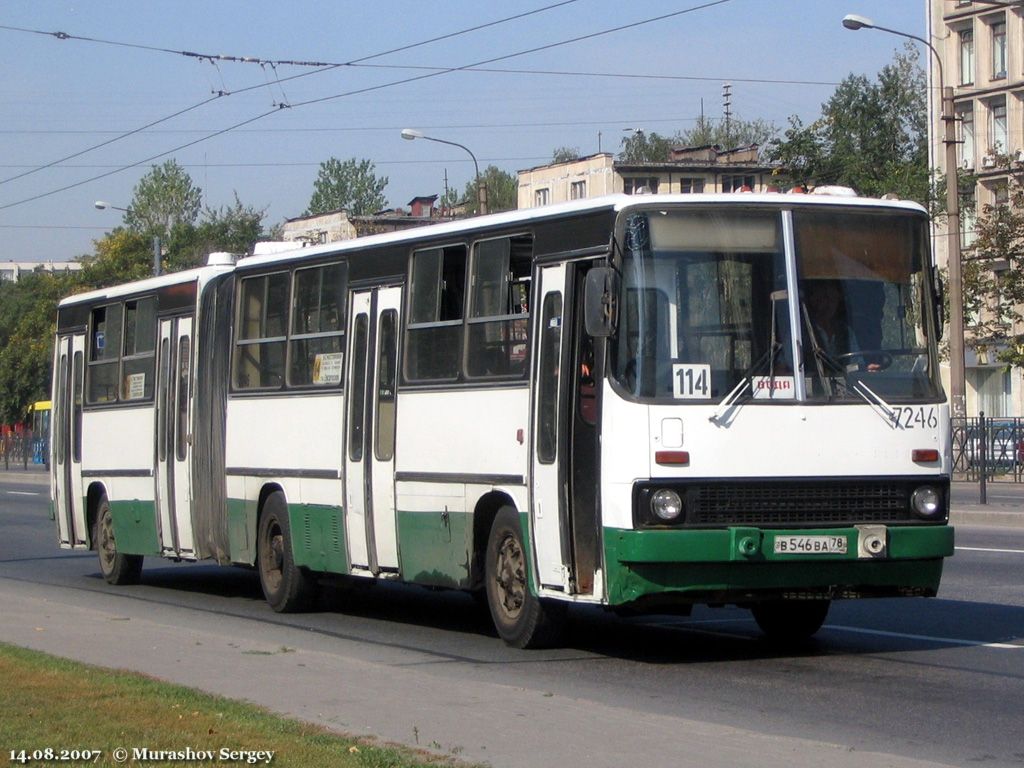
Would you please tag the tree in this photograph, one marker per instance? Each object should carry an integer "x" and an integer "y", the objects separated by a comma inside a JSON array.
[
  {"x": 993, "y": 278},
  {"x": 351, "y": 185},
  {"x": 119, "y": 257},
  {"x": 28, "y": 310},
  {"x": 565, "y": 154},
  {"x": 232, "y": 228},
  {"x": 502, "y": 191},
  {"x": 642, "y": 147},
  {"x": 736, "y": 133},
  {"x": 164, "y": 199},
  {"x": 870, "y": 136}
]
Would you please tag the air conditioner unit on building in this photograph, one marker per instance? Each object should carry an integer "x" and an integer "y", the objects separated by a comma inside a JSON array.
[
  {"x": 988, "y": 161},
  {"x": 1018, "y": 155},
  {"x": 967, "y": 163}
]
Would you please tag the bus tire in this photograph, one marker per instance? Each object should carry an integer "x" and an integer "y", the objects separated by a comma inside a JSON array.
[
  {"x": 116, "y": 567},
  {"x": 287, "y": 588},
  {"x": 790, "y": 620},
  {"x": 522, "y": 619}
]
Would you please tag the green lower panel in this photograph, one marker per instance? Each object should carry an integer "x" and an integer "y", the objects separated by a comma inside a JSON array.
[
  {"x": 729, "y": 564},
  {"x": 242, "y": 530},
  {"x": 135, "y": 527},
  {"x": 435, "y": 547},
  {"x": 318, "y": 537}
]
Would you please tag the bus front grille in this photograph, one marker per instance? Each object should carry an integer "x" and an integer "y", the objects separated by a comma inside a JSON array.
[{"x": 797, "y": 504}]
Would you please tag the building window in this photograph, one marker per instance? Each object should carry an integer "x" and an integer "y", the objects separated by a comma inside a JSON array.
[
  {"x": 965, "y": 120},
  {"x": 969, "y": 217},
  {"x": 966, "y": 56},
  {"x": 577, "y": 190},
  {"x": 738, "y": 183},
  {"x": 541, "y": 197},
  {"x": 999, "y": 50},
  {"x": 997, "y": 125},
  {"x": 691, "y": 185},
  {"x": 640, "y": 185}
]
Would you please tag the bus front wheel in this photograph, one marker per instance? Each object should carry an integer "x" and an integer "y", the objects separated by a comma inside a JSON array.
[
  {"x": 116, "y": 567},
  {"x": 790, "y": 620},
  {"x": 286, "y": 587},
  {"x": 522, "y": 619}
]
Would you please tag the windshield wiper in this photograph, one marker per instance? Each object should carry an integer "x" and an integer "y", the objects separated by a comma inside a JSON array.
[
  {"x": 878, "y": 405},
  {"x": 746, "y": 381}
]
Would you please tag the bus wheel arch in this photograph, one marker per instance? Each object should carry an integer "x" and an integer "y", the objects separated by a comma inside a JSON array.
[
  {"x": 93, "y": 495},
  {"x": 523, "y": 619},
  {"x": 117, "y": 567},
  {"x": 487, "y": 508},
  {"x": 286, "y": 587}
]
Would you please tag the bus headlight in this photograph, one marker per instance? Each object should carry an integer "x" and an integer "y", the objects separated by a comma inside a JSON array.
[
  {"x": 926, "y": 502},
  {"x": 666, "y": 505}
]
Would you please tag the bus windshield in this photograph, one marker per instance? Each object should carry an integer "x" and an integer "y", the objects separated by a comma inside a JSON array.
[{"x": 705, "y": 306}]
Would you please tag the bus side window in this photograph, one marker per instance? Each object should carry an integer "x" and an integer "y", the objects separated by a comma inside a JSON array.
[
  {"x": 437, "y": 297},
  {"x": 498, "y": 322}
]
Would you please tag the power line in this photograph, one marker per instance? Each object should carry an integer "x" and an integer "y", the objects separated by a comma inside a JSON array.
[
  {"x": 367, "y": 89},
  {"x": 322, "y": 67},
  {"x": 282, "y": 62}
]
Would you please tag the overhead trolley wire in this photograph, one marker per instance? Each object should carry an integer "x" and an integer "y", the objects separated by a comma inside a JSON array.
[
  {"x": 321, "y": 67},
  {"x": 380, "y": 86}
]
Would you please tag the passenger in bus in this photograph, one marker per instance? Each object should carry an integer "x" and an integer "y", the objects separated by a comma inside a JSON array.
[{"x": 841, "y": 330}]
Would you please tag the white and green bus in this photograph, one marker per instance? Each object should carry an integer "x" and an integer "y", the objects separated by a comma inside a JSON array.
[{"x": 638, "y": 402}]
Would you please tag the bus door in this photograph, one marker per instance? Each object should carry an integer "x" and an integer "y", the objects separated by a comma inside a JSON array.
[
  {"x": 370, "y": 522},
  {"x": 566, "y": 519},
  {"x": 69, "y": 504},
  {"x": 173, "y": 436}
]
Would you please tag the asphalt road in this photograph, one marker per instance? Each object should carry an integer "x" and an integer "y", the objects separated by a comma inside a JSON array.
[{"x": 886, "y": 682}]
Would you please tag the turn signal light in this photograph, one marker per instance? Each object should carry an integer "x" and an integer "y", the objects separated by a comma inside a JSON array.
[
  {"x": 672, "y": 458},
  {"x": 924, "y": 454}
]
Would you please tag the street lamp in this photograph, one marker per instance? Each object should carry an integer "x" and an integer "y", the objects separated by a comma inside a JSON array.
[
  {"x": 410, "y": 134},
  {"x": 102, "y": 205},
  {"x": 957, "y": 386}
]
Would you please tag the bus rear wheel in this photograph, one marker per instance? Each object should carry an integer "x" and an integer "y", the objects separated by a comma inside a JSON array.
[
  {"x": 116, "y": 567},
  {"x": 522, "y": 619},
  {"x": 287, "y": 588},
  {"x": 790, "y": 620}
]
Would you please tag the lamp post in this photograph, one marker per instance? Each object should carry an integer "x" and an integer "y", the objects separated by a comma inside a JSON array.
[
  {"x": 102, "y": 205},
  {"x": 957, "y": 383},
  {"x": 410, "y": 134}
]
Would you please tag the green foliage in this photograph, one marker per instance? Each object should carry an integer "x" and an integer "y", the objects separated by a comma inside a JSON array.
[
  {"x": 643, "y": 147},
  {"x": 502, "y": 191},
  {"x": 993, "y": 278},
  {"x": 870, "y": 136},
  {"x": 736, "y": 133},
  {"x": 232, "y": 228},
  {"x": 351, "y": 185},
  {"x": 565, "y": 154},
  {"x": 163, "y": 200},
  {"x": 28, "y": 313}
]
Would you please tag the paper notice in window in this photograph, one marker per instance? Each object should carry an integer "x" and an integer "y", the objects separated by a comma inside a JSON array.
[
  {"x": 327, "y": 368},
  {"x": 773, "y": 388},
  {"x": 135, "y": 386}
]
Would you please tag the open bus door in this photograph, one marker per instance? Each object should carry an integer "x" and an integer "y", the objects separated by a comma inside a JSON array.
[
  {"x": 69, "y": 503},
  {"x": 565, "y": 455}
]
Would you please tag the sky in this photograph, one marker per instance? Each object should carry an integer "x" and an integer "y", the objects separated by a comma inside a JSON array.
[{"x": 649, "y": 64}]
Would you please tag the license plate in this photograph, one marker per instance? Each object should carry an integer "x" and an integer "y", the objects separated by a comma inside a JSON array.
[{"x": 810, "y": 545}]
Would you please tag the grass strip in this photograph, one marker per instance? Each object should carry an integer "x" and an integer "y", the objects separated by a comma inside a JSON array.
[{"x": 50, "y": 702}]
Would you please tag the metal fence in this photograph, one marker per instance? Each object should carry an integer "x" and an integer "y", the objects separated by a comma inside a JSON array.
[
  {"x": 988, "y": 449},
  {"x": 20, "y": 451}
]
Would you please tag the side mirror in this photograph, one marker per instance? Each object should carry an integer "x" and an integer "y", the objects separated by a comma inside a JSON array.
[
  {"x": 940, "y": 302},
  {"x": 601, "y": 302}
]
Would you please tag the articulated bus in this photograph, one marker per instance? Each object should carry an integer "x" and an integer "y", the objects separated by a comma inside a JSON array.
[{"x": 638, "y": 402}]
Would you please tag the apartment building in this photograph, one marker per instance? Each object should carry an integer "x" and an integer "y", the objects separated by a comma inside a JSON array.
[
  {"x": 981, "y": 44},
  {"x": 687, "y": 170},
  {"x": 13, "y": 270}
]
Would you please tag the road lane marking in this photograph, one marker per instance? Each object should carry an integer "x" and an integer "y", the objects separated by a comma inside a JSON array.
[
  {"x": 24, "y": 493},
  {"x": 988, "y": 549},
  {"x": 929, "y": 638}
]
